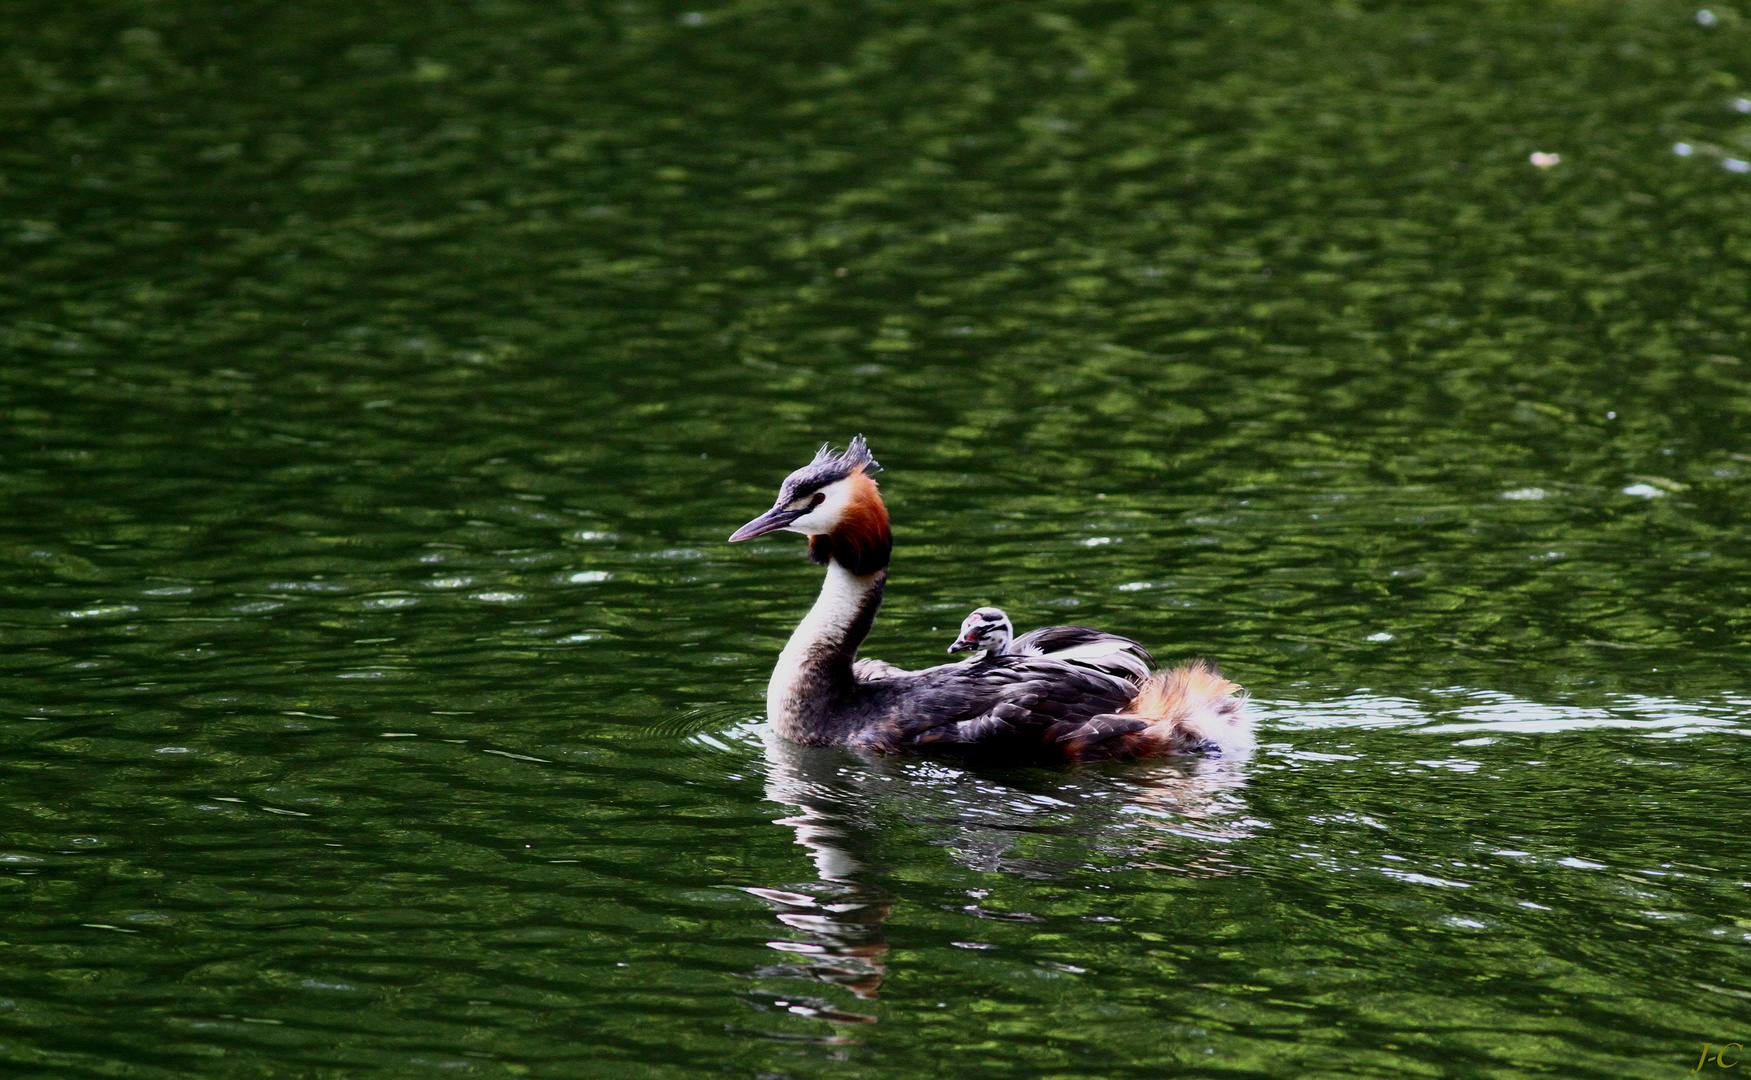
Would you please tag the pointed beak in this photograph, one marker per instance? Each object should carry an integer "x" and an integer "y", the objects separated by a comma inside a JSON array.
[
  {"x": 771, "y": 521},
  {"x": 963, "y": 643}
]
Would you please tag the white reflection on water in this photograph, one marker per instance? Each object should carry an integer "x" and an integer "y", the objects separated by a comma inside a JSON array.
[
  {"x": 1178, "y": 815},
  {"x": 1462, "y": 711},
  {"x": 852, "y": 813}
]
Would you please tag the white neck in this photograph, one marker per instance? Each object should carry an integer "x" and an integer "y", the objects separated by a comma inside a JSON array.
[{"x": 802, "y": 681}]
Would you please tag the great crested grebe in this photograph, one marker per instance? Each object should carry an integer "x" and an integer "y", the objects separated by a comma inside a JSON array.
[
  {"x": 989, "y": 631},
  {"x": 1018, "y": 706}
]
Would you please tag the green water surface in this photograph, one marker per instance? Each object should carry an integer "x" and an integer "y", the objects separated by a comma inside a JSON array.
[{"x": 381, "y": 381}]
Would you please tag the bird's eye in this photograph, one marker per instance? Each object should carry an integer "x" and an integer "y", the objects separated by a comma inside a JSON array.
[{"x": 818, "y": 499}]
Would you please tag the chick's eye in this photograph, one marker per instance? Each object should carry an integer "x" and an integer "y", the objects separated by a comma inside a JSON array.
[{"x": 818, "y": 499}]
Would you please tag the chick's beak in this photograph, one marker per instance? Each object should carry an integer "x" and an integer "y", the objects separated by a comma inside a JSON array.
[
  {"x": 963, "y": 643},
  {"x": 771, "y": 521}
]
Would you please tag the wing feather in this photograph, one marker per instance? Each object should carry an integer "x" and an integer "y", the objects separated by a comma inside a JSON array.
[
  {"x": 868, "y": 670},
  {"x": 1034, "y": 700},
  {"x": 1087, "y": 646}
]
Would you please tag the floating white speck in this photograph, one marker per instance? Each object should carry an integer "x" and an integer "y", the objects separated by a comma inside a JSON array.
[
  {"x": 1733, "y": 164},
  {"x": 1545, "y": 161},
  {"x": 100, "y": 612},
  {"x": 1524, "y": 494},
  {"x": 497, "y": 597},
  {"x": 449, "y": 582},
  {"x": 517, "y": 757},
  {"x": 1381, "y": 636},
  {"x": 1135, "y": 586},
  {"x": 1742, "y": 105},
  {"x": 1455, "y": 764},
  {"x": 1097, "y": 541},
  {"x": 1425, "y": 879},
  {"x": 589, "y": 577},
  {"x": 1705, "y": 17},
  {"x": 575, "y": 639},
  {"x": 1683, "y": 149},
  {"x": 1644, "y": 491}
]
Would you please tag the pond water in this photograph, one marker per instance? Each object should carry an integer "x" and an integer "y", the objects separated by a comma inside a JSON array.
[{"x": 382, "y": 382}]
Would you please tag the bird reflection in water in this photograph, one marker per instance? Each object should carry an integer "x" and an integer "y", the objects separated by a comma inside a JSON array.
[
  {"x": 1176, "y": 815},
  {"x": 840, "y": 921}
]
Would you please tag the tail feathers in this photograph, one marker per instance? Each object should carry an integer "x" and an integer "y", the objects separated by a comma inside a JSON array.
[
  {"x": 1192, "y": 707},
  {"x": 1185, "y": 710}
]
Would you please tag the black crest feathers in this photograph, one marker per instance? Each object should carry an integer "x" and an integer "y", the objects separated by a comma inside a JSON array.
[
  {"x": 829, "y": 466},
  {"x": 856, "y": 456}
]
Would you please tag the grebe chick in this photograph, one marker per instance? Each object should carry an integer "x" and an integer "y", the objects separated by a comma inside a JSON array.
[
  {"x": 1021, "y": 707},
  {"x": 989, "y": 631}
]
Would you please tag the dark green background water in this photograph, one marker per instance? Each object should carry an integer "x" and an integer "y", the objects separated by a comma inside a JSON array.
[{"x": 381, "y": 381}]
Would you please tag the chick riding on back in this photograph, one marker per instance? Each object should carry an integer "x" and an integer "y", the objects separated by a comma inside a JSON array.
[{"x": 989, "y": 630}]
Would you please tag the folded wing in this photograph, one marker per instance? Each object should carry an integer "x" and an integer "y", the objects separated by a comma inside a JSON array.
[{"x": 1087, "y": 647}]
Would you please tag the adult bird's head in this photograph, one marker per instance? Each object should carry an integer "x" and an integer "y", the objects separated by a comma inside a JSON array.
[{"x": 834, "y": 502}]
